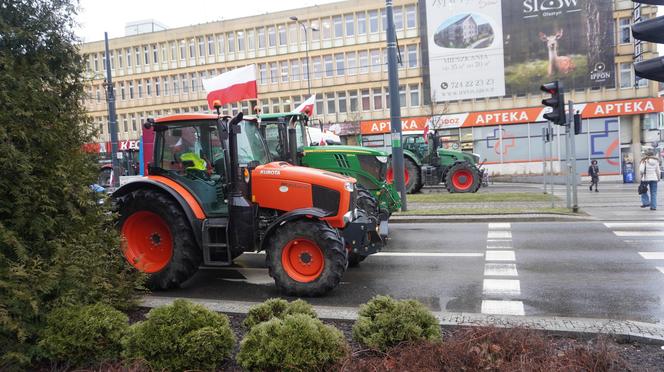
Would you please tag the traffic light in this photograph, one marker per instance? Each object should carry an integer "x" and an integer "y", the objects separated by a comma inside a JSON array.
[
  {"x": 651, "y": 30},
  {"x": 577, "y": 123},
  {"x": 556, "y": 102}
]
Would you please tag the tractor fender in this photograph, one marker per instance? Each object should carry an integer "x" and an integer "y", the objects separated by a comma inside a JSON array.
[
  {"x": 303, "y": 213},
  {"x": 411, "y": 155},
  {"x": 189, "y": 204}
]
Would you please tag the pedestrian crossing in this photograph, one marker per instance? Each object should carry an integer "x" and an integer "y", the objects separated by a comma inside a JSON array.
[{"x": 642, "y": 236}]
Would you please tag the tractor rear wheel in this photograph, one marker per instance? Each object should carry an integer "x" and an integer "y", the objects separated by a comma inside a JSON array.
[
  {"x": 306, "y": 258},
  {"x": 412, "y": 176},
  {"x": 462, "y": 178},
  {"x": 157, "y": 238}
]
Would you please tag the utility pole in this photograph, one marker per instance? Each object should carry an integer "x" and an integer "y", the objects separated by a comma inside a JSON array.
[
  {"x": 112, "y": 120},
  {"x": 553, "y": 197},
  {"x": 573, "y": 178},
  {"x": 395, "y": 108},
  {"x": 545, "y": 141}
]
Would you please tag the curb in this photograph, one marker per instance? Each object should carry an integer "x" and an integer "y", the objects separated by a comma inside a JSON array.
[
  {"x": 522, "y": 217},
  {"x": 623, "y": 329}
]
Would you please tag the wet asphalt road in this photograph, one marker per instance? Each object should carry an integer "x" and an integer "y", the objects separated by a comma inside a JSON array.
[{"x": 577, "y": 269}]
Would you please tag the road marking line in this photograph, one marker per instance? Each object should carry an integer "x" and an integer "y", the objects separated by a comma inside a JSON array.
[
  {"x": 501, "y": 287},
  {"x": 500, "y": 256},
  {"x": 502, "y": 307},
  {"x": 651, "y": 241},
  {"x": 496, "y": 269},
  {"x": 613, "y": 225},
  {"x": 652, "y": 255},
  {"x": 499, "y": 226},
  {"x": 499, "y": 245},
  {"x": 661, "y": 269},
  {"x": 639, "y": 233},
  {"x": 408, "y": 254},
  {"x": 499, "y": 235}
]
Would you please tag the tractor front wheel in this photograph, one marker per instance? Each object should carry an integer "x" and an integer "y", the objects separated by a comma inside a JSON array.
[
  {"x": 157, "y": 238},
  {"x": 462, "y": 178},
  {"x": 306, "y": 258}
]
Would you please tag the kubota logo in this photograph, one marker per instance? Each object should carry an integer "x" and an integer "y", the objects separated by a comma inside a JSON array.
[{"x": 270, "y": 172}]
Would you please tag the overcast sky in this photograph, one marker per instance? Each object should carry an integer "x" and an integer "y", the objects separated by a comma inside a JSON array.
[{"x": 97, "y": 16}]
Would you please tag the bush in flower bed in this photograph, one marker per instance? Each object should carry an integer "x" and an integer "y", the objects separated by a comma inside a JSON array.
[
  {"x": 277, "y": 308},
  {"x": 181, "y": 336},
  {"x": 384, "y": 322},
  {"x": 83, "y": 335},
  {"x": 295, "y": 343}
]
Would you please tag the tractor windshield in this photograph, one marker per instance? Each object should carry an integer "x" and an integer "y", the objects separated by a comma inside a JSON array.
[
  {"x": 250, "y": 144},
  {"x": 188, "y": 147}
]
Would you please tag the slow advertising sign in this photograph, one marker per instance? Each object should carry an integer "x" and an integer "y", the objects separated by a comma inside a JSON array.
[{"x": 489, "y": 48}]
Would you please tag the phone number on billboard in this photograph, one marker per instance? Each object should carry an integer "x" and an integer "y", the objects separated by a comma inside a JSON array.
[{"x": 467, "y": 84}]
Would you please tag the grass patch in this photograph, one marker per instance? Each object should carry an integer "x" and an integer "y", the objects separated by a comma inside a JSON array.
[
  {"x": 479, "y": 197},
  {"x": 483, "y": 211}
]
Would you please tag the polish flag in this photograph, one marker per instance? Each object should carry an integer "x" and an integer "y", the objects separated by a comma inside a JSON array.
[
  {"x": 426, "y": 132},
  {"x": 231, "y": 86},
  {"x": 307, "y": 106}
]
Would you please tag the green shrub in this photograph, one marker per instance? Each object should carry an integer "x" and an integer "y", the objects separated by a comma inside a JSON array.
[
  {"x": 296, "y": 343},
  {"x": 83, "y": 335},
  {"x": 384, "y": 322},
  {"x": 181, "y": 336},
  {"x": 277, "y": 308}
]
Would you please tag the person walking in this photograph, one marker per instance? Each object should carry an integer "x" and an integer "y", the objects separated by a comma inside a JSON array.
[
  {"x": 593, "y": 172},
  {"x": 650, "y": 174}
]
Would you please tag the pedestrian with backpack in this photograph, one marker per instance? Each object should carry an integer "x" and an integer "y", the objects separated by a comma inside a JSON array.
[{"x": 650, "y": 176}]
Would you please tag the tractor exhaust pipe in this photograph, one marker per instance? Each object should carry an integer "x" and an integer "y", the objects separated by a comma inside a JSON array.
[
  {"x": 233, "y": 130},
  {"x": 292, "y": 141}
]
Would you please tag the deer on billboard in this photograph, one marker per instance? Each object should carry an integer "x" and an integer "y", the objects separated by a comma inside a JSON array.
[{"x": 561, "y": 64}]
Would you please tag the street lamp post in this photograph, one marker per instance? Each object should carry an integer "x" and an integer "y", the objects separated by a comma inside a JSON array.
[
  {"x": 112, "y": 121},
  {"x": 306, "y": 49}
]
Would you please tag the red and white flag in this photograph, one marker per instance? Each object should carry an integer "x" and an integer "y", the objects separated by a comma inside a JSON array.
[
  {"x": 426, "y": 132},
  {"x": 231, "y": 86},
  {"x": 307, "y": 106}
]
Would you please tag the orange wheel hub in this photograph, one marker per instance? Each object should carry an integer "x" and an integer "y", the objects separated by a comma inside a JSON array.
[
  {"x": 462, "y": 179},
  {"x": 303, "y": 260},
  {"x": 148, "y": 243},
  {"x": 389, "y": 176}
]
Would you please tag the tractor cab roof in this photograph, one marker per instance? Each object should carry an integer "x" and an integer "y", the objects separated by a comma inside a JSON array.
[
  {"x": 179, "y": 118},
  {"x": 283, "y": 116}
]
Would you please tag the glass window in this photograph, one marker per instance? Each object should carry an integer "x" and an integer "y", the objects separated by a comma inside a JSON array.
[
  {"x": 387, "y": 98},
  {"x": 315, "y": 31},
  {"x": 240, "y": 41},
  {"x": 120, "y": 59},
  {"x": 361, "y": 23},
  {"x": 363, "y": 57},
  {"x": 398, "y": 18},
  {"x": 352, "y": 95},
  {"x": 201, "y": 47},
  {"x": 626, "y": 75},
  {"x": 366, "y": 100},
  {"x": 164, "y": 54},
  {"x": 318, "y": 71},
  {"x": 262, "y": 68},
  {"x": 410, "y": 16},
  {"x": 331, "y": 109},
  {"x": 284, "y": 71},
  {"x": 137, "y": 54},
  {"x": 377, "y": 98},
  {"x": 131, "y": 89},
  {"x": 250, "y": 40},
  {"x": 383, "y": 18},
  {"x": 185, "y": 83},
  {"x": 401, "y": 57},
  {"x": 373, "y": 21},
  {"x": 128, "y": 54},
  {"x": 414, "y": 95},
  {"x": 183, "y": 53},
  {"x": 148, "y": 87},
  {"x": 282, "y": 35},
  {"x": 261, "y": 38},
  {"x": 624, "y": 30},
  {"x": 265, "y": 106},
  {"x": 351, "y": 70},
  {"x": 112, "y": 59},
  {"x": 402, "y": 96},
  {"x": 275, "y": 105},
  {"x": 146, "y": 55},
  {"x": 210, "y": 42},
  {"x": 412, "y": 56},
  {"x": 295, "y": 70},
  {"x": 165, "y": 89},
  {"x": 341, "y": 96},
  {"x": 305, "y": 69},
  {"x": 292, "y": 33},
  {"x": 339, "y": 59},
  {"x": 192, "y": 49},
  {"x": 140, "y": 88},
  {"x": 327, "y": 28},
  {"x": 222, "y": 44},
  {"x": 176, "y": 85},
  {"x": 122, "y": 91},
  {"x": 173, "y": 51},
  {"x": 194, "y": 86},
  {"x": 271, "y": 37},
  {"x": 350, "y": 24},
  {"x": 329, "y": 66},
  {"x": 338, "y": 27},
  {"x": 375, "y": 60},
  {"x": 320, "y": 105},
  {"x": 274, "y": 77},
  {"x": 231, "y": 42}
]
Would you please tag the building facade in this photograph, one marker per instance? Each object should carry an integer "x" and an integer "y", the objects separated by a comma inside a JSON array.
[{"x": 160, "y": 73}]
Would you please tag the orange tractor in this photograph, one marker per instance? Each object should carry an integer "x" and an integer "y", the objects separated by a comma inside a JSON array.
[{"x": 211, "y": 194}]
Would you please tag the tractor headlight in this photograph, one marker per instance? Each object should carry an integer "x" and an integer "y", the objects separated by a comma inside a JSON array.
[
  {"x": 349, "y": 186},
  {"x": 382, "y": 159},
  {"x": 348, "y": 217}
]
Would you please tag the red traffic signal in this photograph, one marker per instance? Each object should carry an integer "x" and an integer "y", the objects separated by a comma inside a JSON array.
[
  {"x": 651, "y": 30},
  {"x": 556, "y": 102}
]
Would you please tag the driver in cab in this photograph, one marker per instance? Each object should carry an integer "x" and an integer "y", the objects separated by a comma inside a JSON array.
[{"x": 186, "y": 152}]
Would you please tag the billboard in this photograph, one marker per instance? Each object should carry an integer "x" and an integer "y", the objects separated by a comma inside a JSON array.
[{"x": 492, "y": 48}]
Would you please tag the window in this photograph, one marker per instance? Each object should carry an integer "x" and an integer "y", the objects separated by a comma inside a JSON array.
[
  {"x": 250, "y": 40},
  {"x": 410, "y": 16},
  {"x": 201, "y": 47},
  {"x": 318, "y": 71},
  {"x": 373, "y": 21},
  {"x": 361, "y": 23},
  {"x": 624, "y": 31},
  {"x": 185, "y": 83},
  {"x": 112, "y": 59},
  {"x": 377, "y": 99},
  {"x": 155, "y": 54},
  {"x": 98, "y": 95},
  {"x": 363, "y": 56},
  {"x": 383, "y": 18},
  {"x": 176, "y": 85},
  {"x": 320, "y": 105},
  {"x": 140, "y": 88},
  {"x": 341, "y": 96},
  {"x": 165, "y": 90},
  {"x": 96, "y": 63},
  {"x": 375, "y": 60},
  {"x": 148, "y": 87},
  {"x": 351, "y": 70},
  {"x": 284, "y": 71},
  {"x": 128, "y": 54},
  {"x": 192, "y": 48},
  {"x": 282, "y": 35},
  {"x": 122, "y": 91},
  {"x": 292, "y": 33},
  {"x": 262, "y": 72},
  {"x": 327, "y": 29},
  {"x": 146, "y": 55},
  {"x": 164, "y": 55},
  {"x": 120, "y": 59},
  {"x": 339, "y": 59},
  {"x": 350, "y": 25},
  {"x": 210, "y": 42},
  {"x": 133, "y": 121},
  {"x": 402, "y": 96},
  {"x": 137, "y": 55},
  {"x": 414, "y": 95},
  {"x": 387, "y": 98},
  {"x": 352, "y": 95},
  {"x": 240, "y": 41},
  {"x": 275, "y": 105},
  {"x": 183, "y": 53},
  {"x": 295, "y": 70},
  {"x": 271, "y": 37},
  {"x": 626, "y": 75},
  {"x": 265, "y": 106},
  {"x": 331, "y": 109},
  {"x": 398, "y": 18},
  {"x": 315, "y": 31},
  {"x": 329, "y": 66},
  {"x": 194, "y": 86},
  {"x": 173, "y": 51},
  {"x": 131, "y": 89},
  {"x": 412, "y": 56},
  {"x": 366, "y": 100},
  {"x": 305, "y": 69},
  {"x": 103, "y": 61},
  {"x": 231, "y": 42},
  {"x": 124, "y": 124},
  {"x": 338, "y": 27},
  {"x": 401, "y": 57},
  {"x": 222, "y": 44},
  {"x": 261, "y": 38},
  {"x": 274, "y": 77}
]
